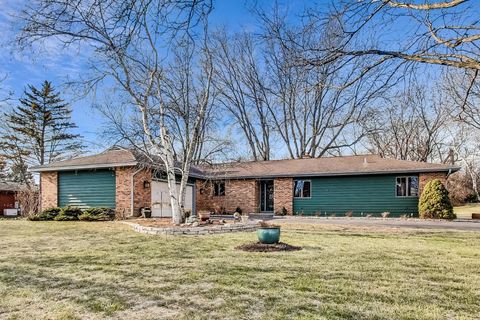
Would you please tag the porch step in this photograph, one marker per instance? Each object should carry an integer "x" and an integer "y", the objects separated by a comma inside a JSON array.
[{"x": 261, "y": 216}]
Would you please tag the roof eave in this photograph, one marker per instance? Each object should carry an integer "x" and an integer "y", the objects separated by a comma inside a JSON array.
[
  {"x": 80, "y": 167},
  {"x": 333, "y": 174}
]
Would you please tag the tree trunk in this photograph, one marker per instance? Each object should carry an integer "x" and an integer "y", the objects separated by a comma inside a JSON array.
[{"x": 177, "y": 212}]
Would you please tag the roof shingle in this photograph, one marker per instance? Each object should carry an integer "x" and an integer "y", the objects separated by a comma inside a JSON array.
[{"x": 327, "y": 166}]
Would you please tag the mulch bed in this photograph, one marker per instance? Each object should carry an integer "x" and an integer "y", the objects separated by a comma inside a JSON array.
[{"x": 260, "y": 247}]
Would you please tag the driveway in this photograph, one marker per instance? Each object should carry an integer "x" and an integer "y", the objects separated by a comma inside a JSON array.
[{"x": 464, "y": 225}]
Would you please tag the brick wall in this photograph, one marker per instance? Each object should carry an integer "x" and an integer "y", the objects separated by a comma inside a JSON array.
[
  {"x": 238, "y": 193},
  {"x": 141, "y": 196},
  {"x": 283, "y": 194},
  {"x": 49, "y": 190},
  {"x": 423, "y": 178},
  {"x": 244, "y": 194}
]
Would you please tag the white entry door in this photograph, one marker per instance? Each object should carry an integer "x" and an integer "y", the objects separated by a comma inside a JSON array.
[{"x": 161, "y": 206}]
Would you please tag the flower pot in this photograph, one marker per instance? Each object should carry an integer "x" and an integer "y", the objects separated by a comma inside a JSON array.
[
  {"x": 146, "y": 212},
  {"x": 475, "y": 216},
  {"x": 268, "y": 235}
]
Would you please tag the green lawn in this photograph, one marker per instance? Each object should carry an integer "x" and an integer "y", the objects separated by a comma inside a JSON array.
[
  {"x": 54, "y": 270},
  {"x": 466, "y": 211}
]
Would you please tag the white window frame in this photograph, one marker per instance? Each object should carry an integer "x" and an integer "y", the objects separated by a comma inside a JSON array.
[
  {"x": 302, "y": 197},
  {"x": 407, "y": 186}
]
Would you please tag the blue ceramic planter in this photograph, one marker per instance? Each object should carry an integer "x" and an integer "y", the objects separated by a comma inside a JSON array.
[{"x": 268, "y": 235}]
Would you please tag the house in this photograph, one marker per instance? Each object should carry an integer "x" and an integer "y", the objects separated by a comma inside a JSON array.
[
  {"x": 366, "y": 184},
  {"x": 8, "y": 198}
]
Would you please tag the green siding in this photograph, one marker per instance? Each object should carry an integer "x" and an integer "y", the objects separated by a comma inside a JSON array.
[
  {"x": 372, "y": 194},
  {"x": 86, "y": 189}
]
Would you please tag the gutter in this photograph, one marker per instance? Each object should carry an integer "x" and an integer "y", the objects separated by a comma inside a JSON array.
[
  {"x": 449, "y": 173},
  {"x": 330, "y": 174},
  {"x": 131, "y": 190},
  {"x": 79, "y": 167}
]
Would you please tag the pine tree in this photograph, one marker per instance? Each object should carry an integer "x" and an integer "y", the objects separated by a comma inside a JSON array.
[{"x": 38, "y": 131}]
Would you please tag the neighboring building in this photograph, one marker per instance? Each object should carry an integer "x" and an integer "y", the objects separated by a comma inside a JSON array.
[
  {"x": 362, "y": 184},
  {"x": 8, "y": 198}
]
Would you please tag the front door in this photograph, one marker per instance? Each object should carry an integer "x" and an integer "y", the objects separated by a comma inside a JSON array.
[{"x": 266, "y": 196}]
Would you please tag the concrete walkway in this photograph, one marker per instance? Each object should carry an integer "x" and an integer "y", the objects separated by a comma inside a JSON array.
[{"x": 464, "y": 225}]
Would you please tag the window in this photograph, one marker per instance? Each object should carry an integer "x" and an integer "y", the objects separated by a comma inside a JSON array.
[
  {"x": 302, "y": 189},
  {"x": 219, "y": 188},
  {"x": 407, "y": 186}
]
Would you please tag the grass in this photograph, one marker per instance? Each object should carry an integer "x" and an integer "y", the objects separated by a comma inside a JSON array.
[
  {"x": 79, "y": 270},
  {"x": 466, "y": 211}
]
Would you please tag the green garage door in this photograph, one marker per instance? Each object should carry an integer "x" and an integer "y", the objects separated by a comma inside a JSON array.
[{"x": 86, "y": 189}]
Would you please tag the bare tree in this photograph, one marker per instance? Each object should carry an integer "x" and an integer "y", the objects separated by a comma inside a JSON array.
[
  {"x": 467, "y": 153},
  {"x": 317, "y": 108},
  {"x": 412, "y": 126},
  {"x": 16, "y": 160},
  {"x": 242, "y": 84},
  {"x": 181, "y": 91},
  {"x": 131, "y": 41},
  {"x": 463, "y": 88},
  {"x": 5, "y": 95},
  {"x": 436, "y": 32}
]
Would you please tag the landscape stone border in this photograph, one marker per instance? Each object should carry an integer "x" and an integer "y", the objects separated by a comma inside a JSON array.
[{"x": 195, "y": 231}]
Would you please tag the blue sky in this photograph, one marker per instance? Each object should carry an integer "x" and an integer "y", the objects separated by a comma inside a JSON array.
[{"x": 53, "y": 63}]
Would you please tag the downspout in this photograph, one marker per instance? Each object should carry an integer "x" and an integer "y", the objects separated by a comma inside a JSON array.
[
  {"x": 449, "y": 173},
  {"x": 132, "y": 185}
]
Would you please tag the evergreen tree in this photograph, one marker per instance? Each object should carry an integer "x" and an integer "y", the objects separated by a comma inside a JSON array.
[
  {"x": 434, "y": 202},
  {"x": 38, "y": 131}
]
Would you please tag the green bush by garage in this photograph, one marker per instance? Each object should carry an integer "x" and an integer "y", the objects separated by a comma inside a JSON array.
[{"x": 73, "y": 214}]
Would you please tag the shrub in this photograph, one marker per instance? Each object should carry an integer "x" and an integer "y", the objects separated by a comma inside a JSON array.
[
  {"x": 46, "y": 215},
  {"x": 471, "y": 198},
  {"x": 29, "y": 201},
  {"x": 97, "y": 214},
  {"x": 68, "y": 214},
  {"x": 434, "y": 202}
]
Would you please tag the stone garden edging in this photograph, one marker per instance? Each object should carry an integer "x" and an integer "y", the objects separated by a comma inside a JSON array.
[{"x": 194, "y": 231}]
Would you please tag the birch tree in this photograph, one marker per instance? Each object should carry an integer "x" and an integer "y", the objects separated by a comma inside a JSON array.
[{"x": 130, "y": 42}]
